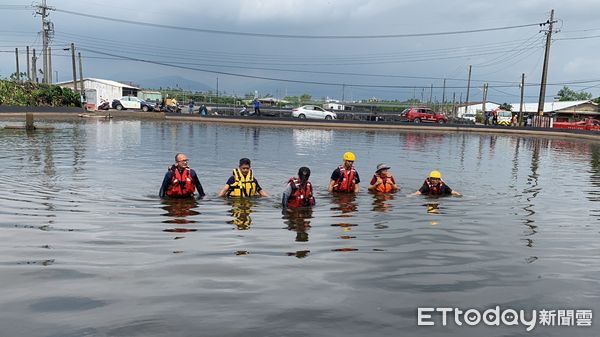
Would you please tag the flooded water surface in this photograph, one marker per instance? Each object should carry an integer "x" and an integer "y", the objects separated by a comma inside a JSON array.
[{"x": 88, "y": 249}]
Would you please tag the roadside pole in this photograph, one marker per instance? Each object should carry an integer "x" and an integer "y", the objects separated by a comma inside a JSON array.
[
  {"x": 28, "y": 68},
  {"x": 74, "y": 70},
  {"x": 18, "y": 77},
  {"x": 468, "y": 86},
  {"x": 34, "y": 66},
  {"x": 81, "y": 74},
  {"x": 521, "y": 104},
  {"x": 485, "y": 86},
  {"x": 545, "y": 67}
]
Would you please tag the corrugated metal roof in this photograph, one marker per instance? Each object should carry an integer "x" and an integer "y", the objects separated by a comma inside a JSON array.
[
  {"x": 99, "y": 80},
  {"x": 549, "y": 106}
]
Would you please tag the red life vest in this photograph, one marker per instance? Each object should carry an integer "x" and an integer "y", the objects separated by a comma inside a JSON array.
[
  {"x": 181, "y": 184},
  {"x": 346, "y": 180},
  {"x": 436, "y": 189},
  {"x": 301, "y": 194},
  {"x": 387, "y": 185}
]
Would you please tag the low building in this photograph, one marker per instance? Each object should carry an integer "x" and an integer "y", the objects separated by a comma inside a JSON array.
[
  {"x": 272, "y": 101},
  {"x": 565, "y": 111},
  {"x": 474, "y": 108},
  {"x": 96, "y": 89},
  {"x": 334, "y": 106}
]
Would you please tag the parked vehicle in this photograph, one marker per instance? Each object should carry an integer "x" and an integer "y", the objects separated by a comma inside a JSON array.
[
  {"x": 504, "y": 117},
  {"x": 419, "y": 115},
  {"x": 469, "y": 116},
  {"x": 588, "y": 124},
  {"x": 130, "y": 102},
  {"x": 104, "y": 105},
  {"x": 312, "y": 111}
]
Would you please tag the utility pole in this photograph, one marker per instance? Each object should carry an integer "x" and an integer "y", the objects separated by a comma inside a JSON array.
[
  {"x": 28, "y": 69},
  {"x": 444, "y": 93},
  {"x": 431, "y": 94},
  {"x": 485, "y": 90},
  {"x": 453, "y": 104},
  {"x": 49, "y": 65},
  {"x": 343, "y": 93},
  {"x": 217, "y": 92},
  {"x": 47, "y": 30},
  {"x": 468, "y": 86},
  {"x": 522, "y": 95},
  {"x": 34, "y": 66},
  {"x": 81, "y": 75},
  {"x": 18, "y": 73},
  {"x": 550, "y": 24},
  {"x": 74, "y": 70}
]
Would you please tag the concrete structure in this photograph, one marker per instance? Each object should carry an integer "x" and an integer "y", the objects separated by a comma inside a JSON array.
[{"x": 96, "y": 88}]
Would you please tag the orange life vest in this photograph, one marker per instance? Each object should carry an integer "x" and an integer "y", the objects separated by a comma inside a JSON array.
[
  {"x": 301, "y": 194},
  {"x": 387, "y": 185},
  {"x": 345, "y": 182},
  {"x": 436, "y": 189},
  {"x": 181, "y": 184}
]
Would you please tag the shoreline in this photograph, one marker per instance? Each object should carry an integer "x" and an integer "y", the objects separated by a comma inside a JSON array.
[{"x": 317, "y": 124}]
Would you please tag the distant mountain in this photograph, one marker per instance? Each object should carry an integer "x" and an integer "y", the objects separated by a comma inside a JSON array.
[{"x": 174, "y": 82}]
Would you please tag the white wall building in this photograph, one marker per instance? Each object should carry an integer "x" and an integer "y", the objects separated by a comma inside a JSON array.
[
  {"x": 96, "y": 88},
  {"x": 473, "y": 108}
]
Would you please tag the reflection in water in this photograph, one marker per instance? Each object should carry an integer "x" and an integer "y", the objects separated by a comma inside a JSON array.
[
  {"x": 594, "y": 195},
  {"x": 298, "y": 220},
  {"x": 179, "y": 211},
  {"x": 433, "y": 208},
  {"x": 380, "y": 202},
  {"x": 344, "y": 202},
  {"x": 240, "y": 211},
  {"x": 532, "y": 189},
  {"x": 307, "y": 138}
]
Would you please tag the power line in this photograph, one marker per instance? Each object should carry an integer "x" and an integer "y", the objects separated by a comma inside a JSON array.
[
  {"x": 577, "y": 38},
  {"x": 303, "y": 81},
  {"x": 290, "y": 36}
]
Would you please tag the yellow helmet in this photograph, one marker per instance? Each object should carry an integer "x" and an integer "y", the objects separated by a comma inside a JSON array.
[
  {"x": 349, "y": 156},
  {"x": 435, "y": 174}
]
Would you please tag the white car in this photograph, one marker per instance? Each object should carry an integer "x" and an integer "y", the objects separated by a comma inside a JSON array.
[
  {"x": 470, "y": 117},
  {"x": 131, "y": 102},
  {"x": 312, "y": 111}
]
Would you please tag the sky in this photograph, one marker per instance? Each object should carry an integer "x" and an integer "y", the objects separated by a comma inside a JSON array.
[{"x": 291, "y": 57}]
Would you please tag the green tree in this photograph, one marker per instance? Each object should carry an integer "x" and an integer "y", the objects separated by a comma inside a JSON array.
[
  {"x": 567, "y": 94},
  {"x": 505, "y": 106},
  {"x": 305, "y": 98}
]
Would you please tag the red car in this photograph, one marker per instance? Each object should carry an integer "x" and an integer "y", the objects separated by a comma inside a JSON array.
[
  {"x": 419, "y": 115},
  {"x": 588, "y": 124}
]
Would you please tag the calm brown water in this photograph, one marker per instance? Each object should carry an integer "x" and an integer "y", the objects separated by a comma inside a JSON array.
[{"x": 88, "y": 249}]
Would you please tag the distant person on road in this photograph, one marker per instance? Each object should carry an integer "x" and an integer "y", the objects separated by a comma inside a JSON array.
[
  {"x": 435, "y": 186},
  {"x": 256, "y": 107},
  {"x": 242, "y": 183},
  {"x": 180, "y": 180},
  {"x": 383, "y": 181},
  {"x": 345, "y": 178},
  {"x": 191, "y": 106},
  {"x": 202, "y": 110},
  {"x": 298, "y": 192}
]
